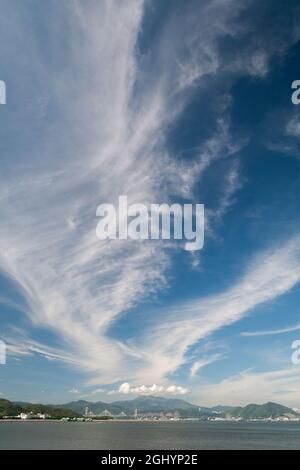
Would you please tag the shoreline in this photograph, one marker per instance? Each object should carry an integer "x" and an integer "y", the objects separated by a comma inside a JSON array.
[{"x": 2, "y": 421}]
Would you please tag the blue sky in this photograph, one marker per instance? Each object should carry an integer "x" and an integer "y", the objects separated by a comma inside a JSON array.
[{"x": 162, "y": 101}]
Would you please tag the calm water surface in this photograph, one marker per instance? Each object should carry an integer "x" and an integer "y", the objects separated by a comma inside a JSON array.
[{"x": 149, "y": 435}]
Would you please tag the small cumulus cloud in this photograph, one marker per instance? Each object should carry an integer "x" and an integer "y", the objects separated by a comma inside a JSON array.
[
  {"x": 126, "y": 389},
  {"x": 92, "y": 393},
  {"x": 98, "y": 390},
  {"x": 74, "y": 391}
]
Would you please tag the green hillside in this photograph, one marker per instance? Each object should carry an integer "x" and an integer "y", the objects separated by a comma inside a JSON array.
[
  {"x": 8, "y": 408},
  {"x": 267, "y": 410},
  {"x": 144, "y": 405}
]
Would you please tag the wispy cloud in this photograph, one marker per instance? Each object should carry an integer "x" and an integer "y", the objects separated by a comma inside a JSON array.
[
  {"x": 268, "y": 276},
  {"x": 280, "y": 386},
  {"x": 103, "y": 127},
  {"x": 279, "y": 331},
  {"x": 197, "y": 365},
  {"x": 73, "y": 284}
]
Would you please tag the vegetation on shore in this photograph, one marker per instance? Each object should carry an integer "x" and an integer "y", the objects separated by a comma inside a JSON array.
[
  {"x": 146, "y": 405},
  {"x": 11, "y": 409}
]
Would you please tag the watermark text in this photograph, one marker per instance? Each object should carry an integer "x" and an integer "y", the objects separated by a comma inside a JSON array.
[
  {"x": 296, "y": 94},
  {"x": 156, "y": 222},
  {"x": 295, "y": 358},
  {"x": 2, "y": 353},
  {"x": 2, "y": 92}
]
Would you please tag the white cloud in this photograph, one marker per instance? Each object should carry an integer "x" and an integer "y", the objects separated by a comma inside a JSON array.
[
  {"x": 97, "y": 390},
  {"x": 197, "y": 365},
  {"x": 109, "y": 139},
  {"x": 126, "y": 389},
  {"x": 73, "y": 284},
  {"x": 293, "y": 127},
  {"x": 177, "y": 390},
  {"x": 75, "y": 391},
  {"x": 279, "y": 331},
  {"x": 269, "y": 275},
  {"x": 281, "y": 386}
]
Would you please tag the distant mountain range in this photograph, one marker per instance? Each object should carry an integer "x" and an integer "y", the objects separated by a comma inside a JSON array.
[
  {"x": 267, "y": 410},
  {"x": 149, "y": 405},
  {"x": 143, "y": 404}
]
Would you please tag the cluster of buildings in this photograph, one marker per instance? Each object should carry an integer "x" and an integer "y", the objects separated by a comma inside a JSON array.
[
  {"x": 279, "y": 418},
  {"x": 169, "y": 416},
  {"x": 32, "y": 415},
  {"x": 283, "y": 418},
  {"x": 159, "y": 416}
]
